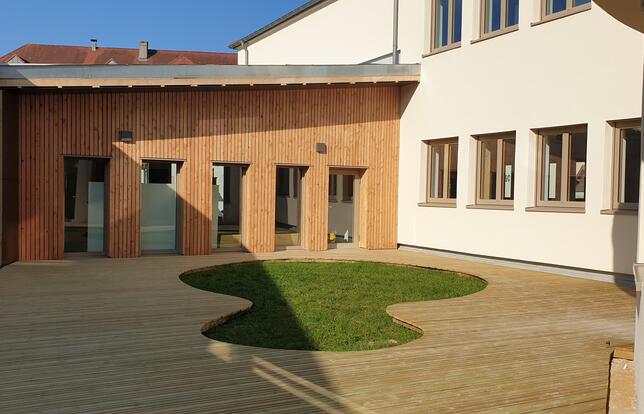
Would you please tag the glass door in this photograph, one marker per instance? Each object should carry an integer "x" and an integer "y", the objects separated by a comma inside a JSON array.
[
  {"x": 84, "y": 205},
  {"x": 288, "y": 202},
  {"x": 227, "y": 181},
  {"x": 159, "y": 206},
  {"x": 343, "y": 210}
]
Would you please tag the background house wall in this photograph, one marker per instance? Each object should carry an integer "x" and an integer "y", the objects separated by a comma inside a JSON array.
[
  {"x": 342, "y": 32},
  {"x": 581, "y": 69},
  {"x": 258, "y": 127}
]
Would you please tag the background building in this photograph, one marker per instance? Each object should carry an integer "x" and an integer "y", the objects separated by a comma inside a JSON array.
[
  {"x": 329, "y": 32},
  {"x": 97, "y": 55}
]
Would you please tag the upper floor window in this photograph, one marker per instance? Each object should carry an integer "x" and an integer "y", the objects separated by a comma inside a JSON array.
[
  {"x": 442, "y": 170},
  {"x": 561, "y": 178},
  {"x": 626, "y": 164},
  {"x": 495, "y": 173},
  {"x": 553, "y": 7},
  {"x": 499, "y": 15},
  {"x": 447, "y": 18}
]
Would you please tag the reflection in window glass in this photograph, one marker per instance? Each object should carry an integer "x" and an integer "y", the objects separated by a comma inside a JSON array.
[
  {"x": 333, "y": 187},
  {"x": 577, "y": 167},
  {"x": 84, "y": 205},
  {"x": 512, "y": 13},
  {"x": 442, "y": 169},
  {"x": 552, "y": 164},
  {"x": 226, "y": 206},
  {"x": 555, "y": 6},
  {"x": 347, "y": 187},
  {"x": 341, "y": 218},
  {"x": 453, "y": 169},
  {"x": 441, "y": 24},
  {"x": 496, "y": 168},
  {"x": 437, "y": 170},
  {"x": 488, "y": 169},
  {"x": 581, "y": 2},
  {"x": 508, "y": 169},
  {"x": 458, "y": 17},
  {"x": 629, "y": 165},
  {"x": 288, "y": 208},
  {"x": 492, "y": 15}
]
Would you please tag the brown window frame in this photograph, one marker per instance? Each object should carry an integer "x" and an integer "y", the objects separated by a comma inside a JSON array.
[
  {"x": 445, "y": 199},
  {"x": 500, "y": 138},
  {"x": 566, "y": 132},
  {"x": 618, "y": 126},
  {"x": 483, "y": 34},
  {"x": 569, "y": 10},
  {"x": 451, "y": 44}
]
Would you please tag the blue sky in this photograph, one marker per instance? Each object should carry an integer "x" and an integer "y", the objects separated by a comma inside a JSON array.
[{"x": 166, "y": 24}]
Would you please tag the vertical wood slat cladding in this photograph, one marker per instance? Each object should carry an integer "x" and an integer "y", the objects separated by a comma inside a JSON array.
[{"x": 259, "y": 127}]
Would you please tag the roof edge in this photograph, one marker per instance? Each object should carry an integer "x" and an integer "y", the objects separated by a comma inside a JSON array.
[
  {"x": 201, "y": 75},
  {"x": 278, "y": 22}
]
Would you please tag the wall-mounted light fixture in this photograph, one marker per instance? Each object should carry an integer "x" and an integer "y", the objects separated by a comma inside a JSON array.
[
  {"x": 320, "y": 148},
  {"x": 126, "y": 136}
]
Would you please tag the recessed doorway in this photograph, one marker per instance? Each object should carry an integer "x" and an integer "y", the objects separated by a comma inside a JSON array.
[
  {"x": 85, "y": 205},
  {"x": 159, "y": 206},
  {"x": 343, "y": 208},
  {"x": 227, "y": 190},
  {"x": 288, "y": 207}
]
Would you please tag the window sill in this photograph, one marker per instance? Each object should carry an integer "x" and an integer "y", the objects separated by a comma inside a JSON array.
[
  {"x": 562, "y": 14},
  {"x": 438, "y": 204},
  {"x": 619, "y": 212},
  {"x": 442, "y": 49},
  {"x": 496, "y": 33},
  {"x": 554, "y": 209},
  {"x": 507, "y": 207}
]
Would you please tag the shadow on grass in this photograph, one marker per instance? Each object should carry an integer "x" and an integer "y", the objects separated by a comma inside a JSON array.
[
  {"x": 270, "y": 323},
  {"x": 323, "y": 306}
]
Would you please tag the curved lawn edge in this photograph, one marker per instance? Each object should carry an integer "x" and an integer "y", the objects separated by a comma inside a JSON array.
[{"x": 210, "y": 326}]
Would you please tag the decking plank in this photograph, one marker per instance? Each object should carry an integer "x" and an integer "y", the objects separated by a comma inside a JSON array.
[{"x": 123, "y": 336}]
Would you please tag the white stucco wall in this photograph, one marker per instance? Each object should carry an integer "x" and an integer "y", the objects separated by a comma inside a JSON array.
[
  {"x": 343, "y": 32},
  {"x": 585, "y": 68}
]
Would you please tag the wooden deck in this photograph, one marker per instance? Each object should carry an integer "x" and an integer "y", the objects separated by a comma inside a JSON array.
[{"x": 123, "y": 336}]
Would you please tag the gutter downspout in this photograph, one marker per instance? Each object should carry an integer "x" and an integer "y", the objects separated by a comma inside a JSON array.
[{"x": 394, "y": 54}]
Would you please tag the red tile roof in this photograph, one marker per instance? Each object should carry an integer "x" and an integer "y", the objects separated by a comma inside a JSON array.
[{"x": 80, "y": 55}]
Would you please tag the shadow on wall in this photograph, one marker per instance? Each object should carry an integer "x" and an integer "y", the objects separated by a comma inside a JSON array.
[
  {"x": 193, "y": 125},
  {"x": 262, "y": 379},
  {"x": 624, "y": 242}
]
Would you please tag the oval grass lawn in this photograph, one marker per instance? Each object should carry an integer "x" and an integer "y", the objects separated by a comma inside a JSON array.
[{"x": 324, "y": 306}]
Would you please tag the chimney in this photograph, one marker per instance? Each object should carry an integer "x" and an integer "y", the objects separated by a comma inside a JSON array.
[
  {"x": 94, "y": 44},
  {"x": 143, "y": 50}
]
